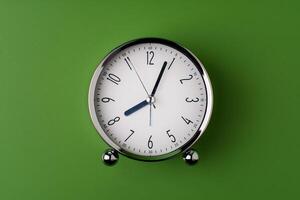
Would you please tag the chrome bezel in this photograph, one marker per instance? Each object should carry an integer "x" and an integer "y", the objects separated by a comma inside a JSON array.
[{"x": 207, "y": 114}]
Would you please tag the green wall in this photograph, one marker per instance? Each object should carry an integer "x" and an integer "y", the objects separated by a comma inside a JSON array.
[{"x": 49, "y": 148}]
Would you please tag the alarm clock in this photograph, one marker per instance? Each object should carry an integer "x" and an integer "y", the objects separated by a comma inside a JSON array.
[{"x": 150, "y": 99}]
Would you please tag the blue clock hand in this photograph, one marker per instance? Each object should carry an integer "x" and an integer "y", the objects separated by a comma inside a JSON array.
[
  {"x": 150, "y": 99},
  {"x": 136, "y": 107}
]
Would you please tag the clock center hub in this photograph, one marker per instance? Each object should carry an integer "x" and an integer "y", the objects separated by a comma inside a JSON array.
[{"x": 150, "y": 100}]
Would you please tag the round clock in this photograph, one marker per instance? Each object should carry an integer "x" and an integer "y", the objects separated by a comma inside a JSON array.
[{"x": 150, "y": 99}]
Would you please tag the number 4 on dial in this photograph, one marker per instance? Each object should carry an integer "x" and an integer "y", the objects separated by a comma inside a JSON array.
[{"x": 186, "y": 120}]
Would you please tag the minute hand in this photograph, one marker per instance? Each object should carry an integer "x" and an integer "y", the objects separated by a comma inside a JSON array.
[{"x": 158, "y": 78}]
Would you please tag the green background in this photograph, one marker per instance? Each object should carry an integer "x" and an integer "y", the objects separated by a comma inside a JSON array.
[{"x": 49, "y": 148}]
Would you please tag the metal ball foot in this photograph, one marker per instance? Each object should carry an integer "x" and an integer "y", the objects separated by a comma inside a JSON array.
[
  {"x": 191, "y": 157},
  {"x": 110, "y": 157}
]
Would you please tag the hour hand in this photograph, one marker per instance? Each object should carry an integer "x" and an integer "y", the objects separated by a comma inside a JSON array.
[{"x": 136, "y": 107}]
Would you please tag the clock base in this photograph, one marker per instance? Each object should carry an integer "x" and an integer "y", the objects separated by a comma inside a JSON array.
[
  {"x": 191, "y": 157},
  {"x": 110, "y": 157}
]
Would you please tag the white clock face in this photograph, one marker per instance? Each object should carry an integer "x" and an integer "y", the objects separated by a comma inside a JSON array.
[{"x": 150, "y": 99}]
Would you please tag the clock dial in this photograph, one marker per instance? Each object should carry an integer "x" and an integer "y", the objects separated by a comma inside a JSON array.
[{"x": 150, "y": 99}]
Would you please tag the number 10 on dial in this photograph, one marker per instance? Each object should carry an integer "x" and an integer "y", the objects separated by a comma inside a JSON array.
[{"x": 150, "y": 99}]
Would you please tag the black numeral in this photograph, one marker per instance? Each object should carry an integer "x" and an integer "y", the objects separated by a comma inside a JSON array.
[
  {"x": 150, "y": 142},
  {"x": 113, "y": 121},
  {"x": 128, "y": 63},
  {"x": 106, "y": 99},
  {"x": 191, "y": 100},
  {"x": 132, "y": 132},
  {"x": 186, "y": 79},
  {"x": 186, "y": 120},
  {"x": 171, "y": 63},
  {"x": 172, "y": 137},
  {"x": 150, "y": 56},
  {"x": 114, "y": 78}
]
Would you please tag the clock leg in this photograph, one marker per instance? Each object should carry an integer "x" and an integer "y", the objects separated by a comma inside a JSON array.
[
  {"x": 110, "y": 157},
  {"x": 190, "y": 157}
]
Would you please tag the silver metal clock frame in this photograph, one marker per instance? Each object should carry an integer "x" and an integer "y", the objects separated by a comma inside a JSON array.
[{"x": 184, "y": 149}]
